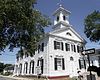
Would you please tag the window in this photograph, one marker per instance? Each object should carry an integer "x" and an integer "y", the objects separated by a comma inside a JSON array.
[
  {"x": 31, "y": 70},
  {"x": 26, "y": 54},
  {"x": 41, "y": 47},
  {"x": 82, "y": 64},
  {"x": 67, "y": 46},
  {"x": 20, "y": 67},
  {"x": 64, "y": 17},
  {"x": 59, "y": 64},
  {"x": 58, "y": 45},
  {"x": 69, "y": 34},
  {"x": 71, "y": 58},
  {"x": 57, "y": 18},
  {"x": 73, "y": 48},
  {"x": 41, "y": 64},
  {"x": 25, "y": 67},
  {"x": 79, "y": 48}
]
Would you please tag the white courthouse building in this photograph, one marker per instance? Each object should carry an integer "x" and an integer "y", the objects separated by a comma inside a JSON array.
[{"x": 58, "y": 53}]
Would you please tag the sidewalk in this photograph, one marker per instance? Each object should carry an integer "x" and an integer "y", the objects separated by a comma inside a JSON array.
[{"x": 17, "y": 78}]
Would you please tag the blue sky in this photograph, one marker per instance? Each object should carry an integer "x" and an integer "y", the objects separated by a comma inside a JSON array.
[{"x": 79, "y": 10}]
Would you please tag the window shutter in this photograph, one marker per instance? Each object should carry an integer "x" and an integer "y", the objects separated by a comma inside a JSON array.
[
  {"x": 79, "y": 63},
  {"x": 42, "y": 49},
  {"x": 78, "y": 49},
  {"x": 38, "y": 48},
  {"x": 38, "y": 63},
  {"x": 84, "y": 64},
  {"x": 55, "y": 45},
  {"x": 55, "y": 63},
  {"x": 62, "y": 46},
  {"x": 33, "y": 67},
  {"x": 42, "y": 66},
  {"x": 30, "y": 68},
  {"x": 66, "y": 46},
  {"x": 63, "y": 64},
  {"x": 74, "y": 48}
]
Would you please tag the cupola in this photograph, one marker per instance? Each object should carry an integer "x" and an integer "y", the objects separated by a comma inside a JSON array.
[{"x": 61, "y": 17}]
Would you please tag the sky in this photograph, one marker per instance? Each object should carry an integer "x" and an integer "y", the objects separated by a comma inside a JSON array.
[{"x": 79, "y": 10}]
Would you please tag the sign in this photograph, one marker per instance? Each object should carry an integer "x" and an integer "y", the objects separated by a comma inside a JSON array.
[
  {"x": 90, "y": 51},
  {"x": 38, "y": 70}
]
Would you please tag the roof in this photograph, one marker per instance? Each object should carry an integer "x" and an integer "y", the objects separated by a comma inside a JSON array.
[{"x": 61, "y": 8}]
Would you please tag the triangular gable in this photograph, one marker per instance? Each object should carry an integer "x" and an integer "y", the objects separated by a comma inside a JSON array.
[{"x": 68, "y": 33}]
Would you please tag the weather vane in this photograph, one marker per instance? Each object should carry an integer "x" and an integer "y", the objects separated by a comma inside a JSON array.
[{"x": 59, "y": 3}]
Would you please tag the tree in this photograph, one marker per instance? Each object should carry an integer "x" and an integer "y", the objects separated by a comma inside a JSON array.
[
  {"x": 21, "y": 25},
  {"x": 92, "y": 26},
  {"x": 1, "y": 67}
]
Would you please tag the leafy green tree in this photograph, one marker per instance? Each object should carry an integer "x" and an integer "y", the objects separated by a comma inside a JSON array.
[
  {"x": 1, "y": 67},
  {"x": 21, "y": 25},
  {"x": 92, "y": 26}
]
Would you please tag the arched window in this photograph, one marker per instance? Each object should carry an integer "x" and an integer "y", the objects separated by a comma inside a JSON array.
[
  {"x": 20, "y": 68},
  {"x": 71, "y": 58},
  {"x": 57, "y": 18},
  {"x": 25, "y": 67},
  {"x": 68, "y": 34},
  {"x": 31, "y": 70},
  {"x": 64, "y": 17}
]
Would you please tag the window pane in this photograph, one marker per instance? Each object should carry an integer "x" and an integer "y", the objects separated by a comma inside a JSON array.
[
  {"x": 57, "y": 18},
  {"x": 67, "y": 47}
]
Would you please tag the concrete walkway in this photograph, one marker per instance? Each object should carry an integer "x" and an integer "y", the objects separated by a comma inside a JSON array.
[{"x": 17, "y": 78}]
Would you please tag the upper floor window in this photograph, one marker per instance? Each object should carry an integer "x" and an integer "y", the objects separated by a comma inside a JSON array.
[
  {"x": 64, "y": 18},
  {"x": 58, "y": 45},
  {"x": 67, "y": 46},
  {"x": 41, "y": 47},
  {"x": 79, "y": 48},
  {"x": 26, "y": 54},
  {"x": 57, "y": 18},
  {"x": 73, "y": 48}
]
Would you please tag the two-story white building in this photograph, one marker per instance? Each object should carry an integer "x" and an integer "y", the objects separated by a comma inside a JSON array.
[{"x": 58, "y": 54}]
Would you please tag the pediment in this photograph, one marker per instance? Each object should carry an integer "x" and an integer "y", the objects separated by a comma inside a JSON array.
[{"x": 68, "y": 33}]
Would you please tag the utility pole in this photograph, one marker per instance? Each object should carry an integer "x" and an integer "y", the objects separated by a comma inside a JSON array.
[{"x": 87, "y": 52}]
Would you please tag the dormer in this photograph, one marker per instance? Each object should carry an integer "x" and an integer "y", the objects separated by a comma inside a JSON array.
[{"x": 61, "y": 17}]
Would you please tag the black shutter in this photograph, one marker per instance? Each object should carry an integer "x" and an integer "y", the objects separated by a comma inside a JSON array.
[
  {"x": 62, "y": 46},
  {"x": 63, "y": 64},
  {"x": 42, "y": 66},
  {"x": 78, "y": 49},
  {"x": 80, "y": 64},
  {"x": 30, "y": 68},
  {"x": 74, "y": 48},
  {"x": 55, "y": 63},
  {"x": 42, "y": 49},
  {"x": 66, "y": 46},
  {"x": 84, "y": 64},
  {"x": 38, "y": 63},
  {"x": 38, "y": 48},
  {"x": 55, "y": 45},
  {"x": 33, "y": 67}
]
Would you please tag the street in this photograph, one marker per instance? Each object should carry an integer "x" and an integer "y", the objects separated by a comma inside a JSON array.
[{"x": 5, "y": 78}]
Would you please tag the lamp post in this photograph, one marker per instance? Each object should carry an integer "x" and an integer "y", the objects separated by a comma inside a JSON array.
[{"x": 87, "y": 52}]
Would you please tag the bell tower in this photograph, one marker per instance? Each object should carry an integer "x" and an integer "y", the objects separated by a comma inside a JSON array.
[{"x": 61, "y": 17}]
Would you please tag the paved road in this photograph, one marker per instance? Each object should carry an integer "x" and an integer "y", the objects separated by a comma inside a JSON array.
[{"x": 5, "y": 78}]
